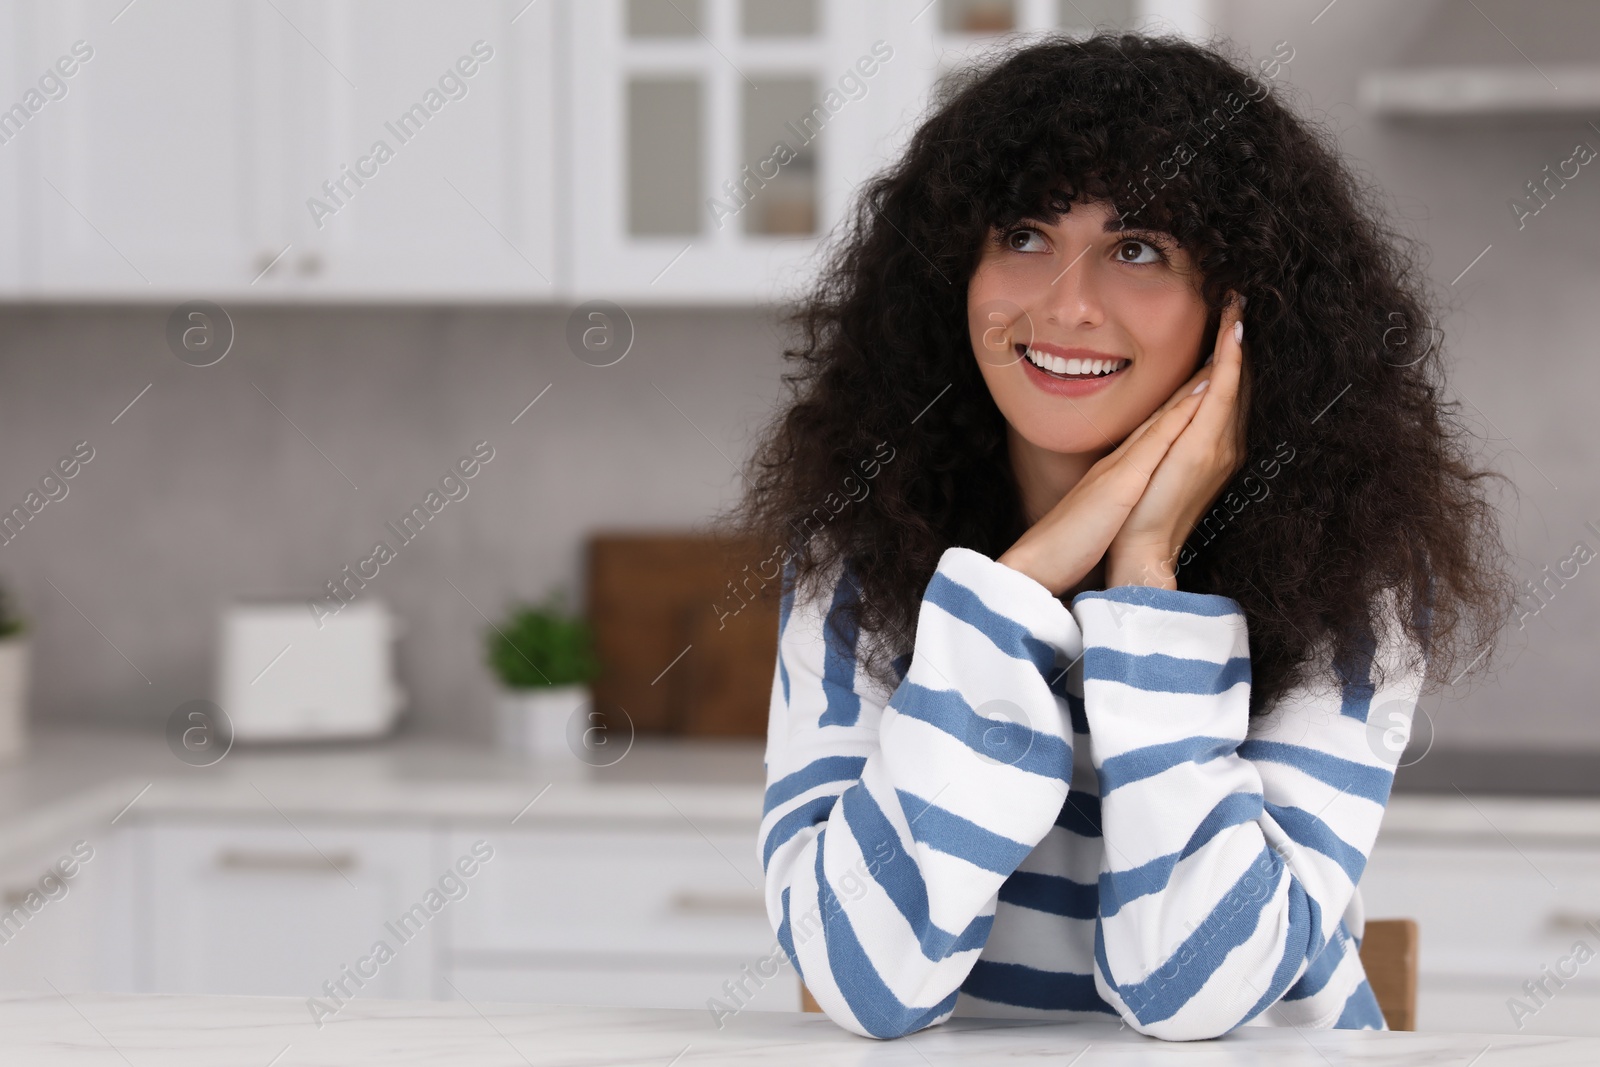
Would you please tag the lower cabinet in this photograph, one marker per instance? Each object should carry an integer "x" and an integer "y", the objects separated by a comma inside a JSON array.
[
  {"x": 256, "y": 908},
  {"x": 332, "y": 910},
  {"x": 1508, "y": 933},
  {"x": 58, "y": 918},
  {"x": 653, "y": 918},
  {"x": 648, "y": 915}
]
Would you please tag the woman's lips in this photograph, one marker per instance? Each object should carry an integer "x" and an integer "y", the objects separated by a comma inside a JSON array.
[{"x": 1059, "y": 386}]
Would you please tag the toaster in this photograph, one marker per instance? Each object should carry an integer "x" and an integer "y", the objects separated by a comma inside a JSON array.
[{"x": 285, "y": 675}]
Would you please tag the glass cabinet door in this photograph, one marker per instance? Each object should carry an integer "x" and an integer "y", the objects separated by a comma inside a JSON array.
[{"x": 715, "y": 142}]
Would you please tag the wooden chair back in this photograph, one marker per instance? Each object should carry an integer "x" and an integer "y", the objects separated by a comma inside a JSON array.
[{"x": 1388, "y": 954}]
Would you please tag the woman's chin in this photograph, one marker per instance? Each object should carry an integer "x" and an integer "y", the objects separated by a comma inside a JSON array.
[{"x": 1071, "y": 440}]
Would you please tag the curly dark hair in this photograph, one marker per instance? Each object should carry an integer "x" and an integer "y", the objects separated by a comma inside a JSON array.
[{"x": 1378, "y": 493}]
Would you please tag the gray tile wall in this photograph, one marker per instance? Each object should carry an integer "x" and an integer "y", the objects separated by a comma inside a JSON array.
[{"x": 203, "y": 489}]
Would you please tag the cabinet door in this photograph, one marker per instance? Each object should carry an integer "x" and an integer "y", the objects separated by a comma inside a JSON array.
[
  {"x": 12, "y": 149},
  {"x": 259, "y": 908},
  {"x": 147, "y": 181},
  {"x": 680, "y": 189},
  {"x": 643, "y": 917},
  {"x": 53, "y": 905},
  {"x": 414, "y": 149},
  {"x": 1493, "y": 916}
]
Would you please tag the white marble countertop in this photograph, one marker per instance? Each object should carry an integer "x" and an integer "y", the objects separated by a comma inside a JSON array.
[{"x": 92, "y": 1029}]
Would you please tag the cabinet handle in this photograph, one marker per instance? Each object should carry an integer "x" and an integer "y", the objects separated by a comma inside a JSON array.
[
  {"x": 689, "y": 902},
  {"x": 230, "y": 859},
  {"x": 1570, "y": 922}
]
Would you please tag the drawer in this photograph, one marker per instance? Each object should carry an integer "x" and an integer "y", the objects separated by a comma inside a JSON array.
[
  {"x": 1480, "y": 1006},
  {"x": 615, "y": 891},
  {"x": 1487, "y": 909},
  {"x": 257, "y": 907}
]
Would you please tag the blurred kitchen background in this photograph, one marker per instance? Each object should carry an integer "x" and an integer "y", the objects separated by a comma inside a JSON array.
[{"x": 259, "y": 342}]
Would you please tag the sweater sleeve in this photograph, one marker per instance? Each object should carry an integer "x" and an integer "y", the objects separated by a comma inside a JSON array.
[
  {"x": 1232, "y": 846},
  {"x": 891, "y": 820}
]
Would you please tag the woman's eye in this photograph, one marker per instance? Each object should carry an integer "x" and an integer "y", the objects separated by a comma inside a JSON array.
[
  {"x": 1023, "y": 232},
  {"x": 1156, "y": 255}
]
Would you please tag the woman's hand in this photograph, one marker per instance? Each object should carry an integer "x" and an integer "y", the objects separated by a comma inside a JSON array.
[
  {"x": 1069, "y": 541},
  {"x": 1191, "y": 472}
]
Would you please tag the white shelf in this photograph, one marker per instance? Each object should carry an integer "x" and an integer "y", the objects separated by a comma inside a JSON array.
[{"x": 1482, "y": 90}]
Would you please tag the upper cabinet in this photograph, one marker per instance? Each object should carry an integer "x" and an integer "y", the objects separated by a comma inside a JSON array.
[
  {"x": 11, "y": 162},
  {"x": 647, "y": 151},
  {"x": 713, "y": 142},
  {"x": 411, "y": 149},
  {"x": 301, "y": 149}
]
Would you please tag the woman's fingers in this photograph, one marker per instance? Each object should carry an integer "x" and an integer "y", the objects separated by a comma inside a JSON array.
[
  {"x": 1218, "y": 414},
  {"x": 1145, "y": 450}
]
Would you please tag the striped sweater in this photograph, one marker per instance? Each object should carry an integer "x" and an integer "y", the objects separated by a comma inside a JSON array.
[{"x": 1066, "y": 813}]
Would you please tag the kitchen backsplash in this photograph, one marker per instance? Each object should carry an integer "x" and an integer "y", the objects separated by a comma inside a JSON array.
[{"x": 279, "y": 468}]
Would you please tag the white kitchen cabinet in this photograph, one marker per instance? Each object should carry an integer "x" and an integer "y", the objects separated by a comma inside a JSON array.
[
  {"x": 12, "y": 125},
  {"x": 57, "y": 911},
  {"x": 625, "y": 149},
  {"x": 671, "y": 101},
  {"x": 145, "y": 178},
  {"x": 237, "y": 906},
  {"x": 644, "y": 917},
  {"x": 415, "y": 149},
  {"x": 190, "y": 153},
  {"x": 1493, "y": 912}
]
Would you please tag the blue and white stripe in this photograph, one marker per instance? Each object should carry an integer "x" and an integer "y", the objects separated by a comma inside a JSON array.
[{"x": 1068, "y": 813}]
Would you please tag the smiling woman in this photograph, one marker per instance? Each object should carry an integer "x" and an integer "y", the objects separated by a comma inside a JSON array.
[{"x": 1121, "y": 787}]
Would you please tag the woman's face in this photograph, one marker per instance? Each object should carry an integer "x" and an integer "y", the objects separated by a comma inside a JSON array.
[{"x": 1079, "y": 290}]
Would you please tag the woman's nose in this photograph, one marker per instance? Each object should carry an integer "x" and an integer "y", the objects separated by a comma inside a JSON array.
[{"x": 1074, "y": 297}]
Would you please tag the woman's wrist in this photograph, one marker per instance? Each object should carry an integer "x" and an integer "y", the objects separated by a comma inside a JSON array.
[{"x": 1145, "y": 568}]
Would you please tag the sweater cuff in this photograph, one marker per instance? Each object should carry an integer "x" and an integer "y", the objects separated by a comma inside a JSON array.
[
  {"x": 1014, "y": 595},
  {"x": 1145, "y": 619},
  {"x": 1162, "y": 665}
]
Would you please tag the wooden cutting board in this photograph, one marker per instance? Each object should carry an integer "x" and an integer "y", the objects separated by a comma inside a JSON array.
[{"x": 686, "y": 630}]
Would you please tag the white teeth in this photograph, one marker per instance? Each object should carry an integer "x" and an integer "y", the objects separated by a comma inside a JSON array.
[{"x": 1061, "y": 365}]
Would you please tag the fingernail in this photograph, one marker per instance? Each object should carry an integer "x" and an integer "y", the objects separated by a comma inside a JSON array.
[
  {"x": 1241, "y": 303},
  {"x": 1238, "y": 330},
  {"x": 1200, "y": 388}
]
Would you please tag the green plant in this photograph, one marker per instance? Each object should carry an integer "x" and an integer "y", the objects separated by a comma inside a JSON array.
[
  {"x": 11, "y": 623},
  {"x": 541, "y": 645}
]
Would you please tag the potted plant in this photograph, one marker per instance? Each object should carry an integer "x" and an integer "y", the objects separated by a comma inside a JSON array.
[
  {"x": 13, "y": 679},
  {"x": 543, "y": 658}
]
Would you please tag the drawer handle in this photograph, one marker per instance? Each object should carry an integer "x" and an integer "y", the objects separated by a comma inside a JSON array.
[
  {"x": 1570, "y": 922},
  {"x": 691, "y": 903},
  {"x": 297, "y": 862}
]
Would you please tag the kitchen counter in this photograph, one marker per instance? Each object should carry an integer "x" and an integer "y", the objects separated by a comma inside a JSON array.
[
  {"x": 70, "y": 777},
  {"x": 88, "y": 1029}
]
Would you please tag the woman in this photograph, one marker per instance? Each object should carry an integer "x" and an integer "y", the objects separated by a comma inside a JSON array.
[{"x": 1107, "y": 597}]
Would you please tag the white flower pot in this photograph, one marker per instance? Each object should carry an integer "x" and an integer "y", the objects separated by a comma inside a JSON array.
[
  {"x": 540, "y": 723},
  {"x": 13, "y": 696}
]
